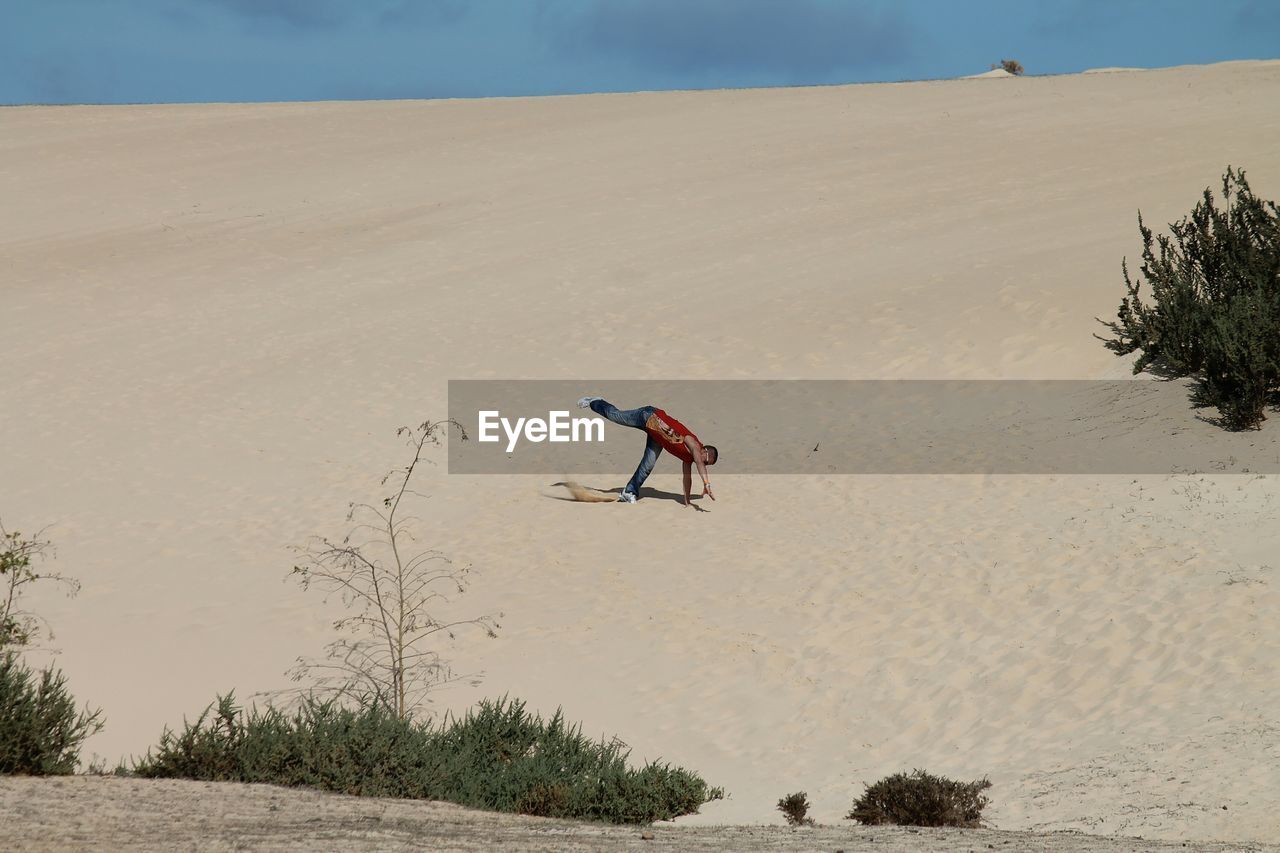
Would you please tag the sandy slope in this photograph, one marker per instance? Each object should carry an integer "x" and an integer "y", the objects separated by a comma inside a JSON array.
[
  {"x": 87, "y": 813},
  {"x": 215, "y": 317}
]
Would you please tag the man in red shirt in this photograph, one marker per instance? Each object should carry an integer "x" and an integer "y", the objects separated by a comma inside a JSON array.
[{"x": 665, "y": 433}]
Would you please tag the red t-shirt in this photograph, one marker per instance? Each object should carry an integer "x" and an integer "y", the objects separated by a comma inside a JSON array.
[{"x": 669, "y": 433}]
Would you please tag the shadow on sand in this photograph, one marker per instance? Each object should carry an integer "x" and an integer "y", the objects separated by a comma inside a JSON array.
[{"x": 645, "y": 494}]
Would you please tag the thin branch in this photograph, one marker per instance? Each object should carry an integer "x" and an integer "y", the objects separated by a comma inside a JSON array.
[{"x": 379, "y": 657}]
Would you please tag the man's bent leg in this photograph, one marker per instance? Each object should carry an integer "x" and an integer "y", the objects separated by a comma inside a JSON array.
[
  {"x": 651, "y": 450},
  {"x": 629, "y": 417}
]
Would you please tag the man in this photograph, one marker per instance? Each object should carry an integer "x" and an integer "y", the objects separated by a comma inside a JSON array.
[{"x": 665, "y": 433}]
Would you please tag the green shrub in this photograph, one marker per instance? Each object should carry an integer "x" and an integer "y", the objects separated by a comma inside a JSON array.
[
  {"x": 1214, "y": 304},
  {"x": 921, "y": 799},
  {"x": 41, "y": 731},
  {"x": 795, "y": 808},
  {"x": 497, "y": 757},
  {"x": 1012, "y": 66}
]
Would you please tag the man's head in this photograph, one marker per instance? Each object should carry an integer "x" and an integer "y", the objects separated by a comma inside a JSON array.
[{"x": 710, "y": 454}]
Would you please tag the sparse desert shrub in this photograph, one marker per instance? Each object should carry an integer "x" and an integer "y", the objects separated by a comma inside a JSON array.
[
  {"x": 98, "y": 767},
  {"x": 497, "y": 757},
  {"x": 19, "y": 627},
  {"x": 391, "y": 589},
  {"x": 921, "y": 799},
  {"x": 1214, "y": 304},
  {"x": 1012, "y": 66},
  {"x": 41, "y": 731},
  {"x": 795, "y": 808}
]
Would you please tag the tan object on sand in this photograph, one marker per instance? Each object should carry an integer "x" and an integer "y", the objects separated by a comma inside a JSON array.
[{"x": 587, "y": 495}]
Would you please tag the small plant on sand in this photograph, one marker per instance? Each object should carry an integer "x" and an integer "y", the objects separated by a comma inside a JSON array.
[
  {"x": 19, "y": 627},
  {"x": 1213, "y": 310},
  {"x": 1012, "y": 66},
  {"x": 98, "y": 767},
  {"x": 497, "y": 757},
  {"x": 921, "y": 799},
  {"x": 795, "y": 808},
  {"x": 393, "y": 593}
]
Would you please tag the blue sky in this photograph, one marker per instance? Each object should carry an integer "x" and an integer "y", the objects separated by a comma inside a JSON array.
[{"x": 130, "y": 51}]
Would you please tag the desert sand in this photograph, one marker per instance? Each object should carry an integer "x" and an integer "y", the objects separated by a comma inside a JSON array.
[
  {"x": 217, "y": 315},
  {"x": 88, "y": 813}
]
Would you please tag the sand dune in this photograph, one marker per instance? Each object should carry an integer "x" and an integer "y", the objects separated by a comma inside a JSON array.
[{"x": 217, "y": 315}]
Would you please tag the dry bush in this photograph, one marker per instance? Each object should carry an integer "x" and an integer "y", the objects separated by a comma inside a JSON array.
[
  {"x": 921, "y": 799},
  {"x": 393, "y": 593},
  {"x": 795, "y": 808}
]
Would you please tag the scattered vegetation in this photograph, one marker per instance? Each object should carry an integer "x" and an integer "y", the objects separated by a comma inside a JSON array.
[
  {"x": 19, "y": 627},
  {"x": 41, "y": 731},
  {"x": 1214, "y": 306},
  {"x": 795, "y": 808},
  {"x": 355, "y": 727},
  {"x": 98, "y": 767},
  {"x": 498, "y": 757},
  {"x": 921, "y": 799},
  {"x": 1012, "y": 66},
  {"x": 392, "y": 593}
]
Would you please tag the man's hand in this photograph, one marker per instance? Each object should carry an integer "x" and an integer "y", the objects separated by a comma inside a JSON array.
[
  {"x": 688, "y": 501},
  {"x": 706, "y": 489}
]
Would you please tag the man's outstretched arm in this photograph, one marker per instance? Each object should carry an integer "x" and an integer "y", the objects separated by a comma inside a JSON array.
[
  {"x": 695, "y": 450},
  {"x": 688, "y": 482}
]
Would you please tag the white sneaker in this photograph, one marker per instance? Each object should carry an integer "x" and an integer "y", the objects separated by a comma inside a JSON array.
[
  {"x": 626, "y": 497},
  {"x": 585, "y": 402}
]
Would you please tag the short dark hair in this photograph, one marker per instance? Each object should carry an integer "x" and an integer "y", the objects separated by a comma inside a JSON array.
[{"x": 715, "y": 454}]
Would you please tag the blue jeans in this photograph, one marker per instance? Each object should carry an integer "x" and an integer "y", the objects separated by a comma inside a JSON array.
[{"x": 634, "y": 418}]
